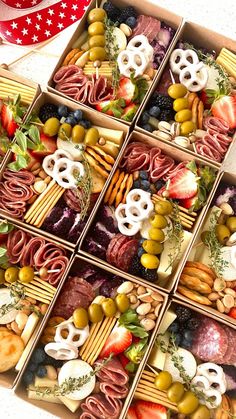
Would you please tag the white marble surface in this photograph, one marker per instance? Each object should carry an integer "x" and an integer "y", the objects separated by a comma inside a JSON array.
[{"x": 216, "y": 14}]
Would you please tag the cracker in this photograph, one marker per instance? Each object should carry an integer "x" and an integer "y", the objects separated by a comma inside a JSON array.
[
  {"x": 89, "y": 342},
  {"x": 200, "y": 111},
  {"x": 75, "y": 57},
  {"x": 94, "y": 338},
  {"x": 11, "y": 349},
  {"x": 107, "y": 157},
  {"x": 113, "y": 181},
  {"x": 116, "y": 188},
  {"x": 38, "y": 200},
  {"x": 41, "y": 205},
  {"x": 51, "y": 204},
  {"x": 101, "y": 342},
  {"x": 70, "y": 55}
]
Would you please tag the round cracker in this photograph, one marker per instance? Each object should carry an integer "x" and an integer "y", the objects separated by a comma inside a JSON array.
[
  {"x": 4, "y": 331},
  {"x": 11, "y": 349}
]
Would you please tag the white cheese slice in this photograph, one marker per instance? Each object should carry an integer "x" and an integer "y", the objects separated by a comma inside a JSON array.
[
  {"x": 25, "y": 353},
  {"x": 157, "y": 357},
  {"x": 188, "y": 362},
  {"x": 110, "y": 134},
  {"x": 72, "y": 405},
  {"x": 45, "y": 382},
  {"x": 29, "y": 328},
  {"x": 34, "y": 395},
  {"x": 167, "y": 320},
  {"x": 5, "y": 298},
  {"x": 76, "y": 369},
  {"x": 70, "y": 147}
]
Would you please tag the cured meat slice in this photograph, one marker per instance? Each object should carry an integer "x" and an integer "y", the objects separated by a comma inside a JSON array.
[
  {"x": 114, "y": 390},
  {"x": 126, "y": 254},
  {"x": 46, "y": 252},
  {"x": 112, "y": 251},
  {"x": 102, "y": 406},
  {"x": 210, "y": 341},
  {"x": 148, "y": 26},
  {"x": 16, "y": 243},
  {"x": 113, "y": 372},
  {"x": 226, "y": 359},
  {"x": 136, "y": 157},
  {"x": 69, "y": 72},
  {"x": 162, "y": 164},
  {"x": 215, "y": 142},
  {"x": 30, "y": 250},
  {"x": 57, "y": 263},
  {"x": 87, "y": 415}
]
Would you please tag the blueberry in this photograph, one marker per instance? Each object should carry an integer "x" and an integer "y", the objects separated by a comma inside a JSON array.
[
  {"x": 143, "y": 174},
  {"x": 137, "y": 183},
  {"x": 32, "y": 367},
  {"x": 85, "y": 123},
  {"x": 141, "y": 241},
  {"x": 38, "y": 356},
  {"x": 174, "y": 327},
  {"x": 147, "y": 127},
  {"x": 131, "y": 22},
  {"x": 41, "y": 371},
  {"x": 140, "y": 252},
  {"x": 186, "y": 344},
  {"x": 145, "y": 117},
  {"x": 159, "y": 184},
  {"x": 178, "y": 339},
  {"x": 28, "y": 378},
  {"x": 145, "y": 185},
  {"x": 78, "y": 115},
  {"x": 71, "y": 120},
  {"x": 62, "y": 111},
  {"x": 188, "y": 335},
  {"x": 154, "y": 111}
]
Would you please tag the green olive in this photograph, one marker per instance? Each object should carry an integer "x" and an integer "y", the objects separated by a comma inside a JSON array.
[
  {"x": 187, "y": 127},
  {"x": 152, "y": 247},
  {"x": 97, "y": 53},
  {"x": 78, "y": 134},
  {"x": 80, "y": 318},
  {"x": 163, "y": 207},
  {"x": 109, "y": 307},
  {"x": 96, "y": 15},
  {"x": 163, "y": 381},
  {"x": 122, "y": 302},
  {"x": 91, "y": 136},
  {"x": 51, "y": 127},
  {"x": 64, "y": 132},
  {"x": 11, "y": 274},
  {"x": 97, "y": 41},
  {"x": 157, "y": 220},
  {"x": 26, "y": 274},
  {"x": 231, "y": 224},
  {"x": 180, "y": 103},
  {"x": 177, "y": 90},
  {"x": 188, "y": 404},
  {"x": 149, "y": 261},
  {"x": 2, "y": 276},
  {"x": 96, "y": 28},
  {"x": 184, "y": 115},
  {"x": 156, "y": 234},
  {"x": 95, "y": 313},
  {"x": 202, "y": 412},
  {"x": 175, "y": 392},
  {"x": 222, "y": 233}
]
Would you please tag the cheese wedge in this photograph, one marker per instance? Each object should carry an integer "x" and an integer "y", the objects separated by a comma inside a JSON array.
[
  {"x": 34, "y": 395},
  {"x": 110, "y": 134},
  {"x": 167, "y": 320},
  {"x": 157, "y": 358},
  {"x": 72, "y": 405},
  {"x": 30, "y": 326}
]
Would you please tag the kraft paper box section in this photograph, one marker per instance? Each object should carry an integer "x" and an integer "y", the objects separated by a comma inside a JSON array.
[
  {"x": 208, "y": 277},
  {"x": 191, "y": 349},
  {"x": 194, "y": 121},
  {"x": 100, "y": 318},
  {"x": 17, "y": 94},
  {"x": 137, "y": 229},
  {"x": 60, "y": 160},
  {"x": 88, "y": 73},
  {"x": 31, "y": 270}
]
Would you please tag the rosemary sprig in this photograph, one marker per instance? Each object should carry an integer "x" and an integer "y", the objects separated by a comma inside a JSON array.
[
  {"x": 175, "y": 235},
  {"x": 177, "y": 360},
  {"x": 17, "y": 293},
  {"x": 214, "y": 247},
  {"x": 84, "y": 186},
  {"x": 71, "y": 384},
  {"x": 112, "y": 51}
]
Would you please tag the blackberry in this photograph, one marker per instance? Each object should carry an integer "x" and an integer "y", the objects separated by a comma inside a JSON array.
[
  {"x": 48, "y": 110},
  {"x": 127, "y": 12},
  {"x": 135, "y": 267},
  {"x": 164, "y": 101},
  {"x": 149, "y": 274},
  {"x": 193, "y": 323},
  {"x": 111, "y": 10},
  {"x": 166, "y": 115},
  {"x": 183, "y": 314}
]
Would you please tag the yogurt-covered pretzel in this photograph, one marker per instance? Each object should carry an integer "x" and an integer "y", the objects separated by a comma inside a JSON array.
[
  {"x": 132, "y": 61},
  {"x": 139, "y": 205},
  {"x": 80, "y": 334},
  {"x": 64, "y": 172},
  {"x": 126, "y": 226},
  {"x": 140, "y": 43},
  {"x": 62, "y": 351},
  {"x": 214, "y": 374},
  {"x": 194, "y": 77},
  {"x": 49, "y": 161},
  {"x": 181, "y": 58}
]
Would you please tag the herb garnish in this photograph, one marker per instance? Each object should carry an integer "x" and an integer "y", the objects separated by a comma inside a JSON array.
[
  {"x": 205, "y": 177},
  {"x": 112, "y": 50},
  {"x": 176, "y": 235},
  {"x": 71, "y": 384},
  {"x": 131, "y": 322},
  {"x": 215, "y": 248},
  {"x": 17, "y": 293},
  {"x": 84, "y": 186}
]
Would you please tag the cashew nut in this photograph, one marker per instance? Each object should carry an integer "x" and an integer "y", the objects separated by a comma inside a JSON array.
[
  {"x": 148, "y": 324},
  {"x": 141, "y": 290},
  {"x": 144, "y": 308},
  {"x": 125, "y": 288}
]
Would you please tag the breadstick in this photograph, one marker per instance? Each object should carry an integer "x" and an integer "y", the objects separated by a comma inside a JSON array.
[
  {"x": 54, "y": 199},
  {"x": 129, "y": 185},
  {"x": 106, "y": 156},
  {"x": 37, "y": 290},
  {"x": 89, "y": 342},
  {"x": 17, "y": 84},
  {"x": 116, "y": 188},
  {"x": 113, "y": 181},
  {"x": 42, "y": 205},
  {"x": 5, "y": 96},
  {"x": 227, "y": 65},
  {"x": 39, "y": 199},
  {"x": 99, "y": 159},
  {"x": 119, "y": 195},
  {"x": 94, "y": 164},
  {"x": 44, "y": 284},
  {"x": 100, "y": 344},
  {"x": 194, "y": 110}
]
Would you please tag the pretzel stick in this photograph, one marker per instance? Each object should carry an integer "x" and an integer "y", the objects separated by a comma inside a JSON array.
[
  {"x": 93, "y": 331},
  {"x": 106, "y": 156},
  {"x": 51, "y": 204},
  {"x": 12, "y": 91},
  {"x": 96, "y": 167},
  {"x": 9, "y": 82},
  {"x": 39, "y": 199},
  {"x": 42, "y": 204},
  {"x": 38, "y": 290},
  {"x": 102, "y": 341},
  {"x": 43, "y": 284}
]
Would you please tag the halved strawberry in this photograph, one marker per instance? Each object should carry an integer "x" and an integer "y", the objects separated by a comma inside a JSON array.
[
  {"x": 129, "y": 112},
  {"x": 7, "y": 120},
  {"x": 46, "y": 146},
  {"x": 111, "y": 107},
  {"x": 189, "y": 202},
  {"x": 182, "y": 186},
  {"x": 124, "y": 360},
  {"x": 225, "y": 108},
  {"x": 132, "y": 414},
  {"x": 149, "y": 410},
  {"x": 126, "y": 90},
  {"x": 118, "y": 341}
]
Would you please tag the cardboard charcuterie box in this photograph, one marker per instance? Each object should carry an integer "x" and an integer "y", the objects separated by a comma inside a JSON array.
[
  {"x": 108, "y": 128},
  {"x": 83, "y": 268},
  {"x": 211, "y": 43},
  {"x": 165, "y": 16},
  {"x": 22, "y": 250},
  {"x": 94, "y": 233},
  {"x": 12, "y": 85}
]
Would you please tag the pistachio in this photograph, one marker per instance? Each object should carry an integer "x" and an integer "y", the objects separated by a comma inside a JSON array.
[
  {"x": 126, "y": 29},
  {"x": 148, "y": 324},
  {"x": 133, "y": 299},
  {"x": 156, "y": 296},
  {"x": 15, "y": 328},
  {"x": 230, "y": 292},
  {"x": 135, "y": 305},
  {"x": 182, "y": 141},
  {"x": 213, "y": 296},
  {"x": 51, "y": 372},
  {"x": 220, "y": 306},
  {"x": 43, "y": 174},
  {"x": 151, "y": 316},
  {"x": 146, "y": 298},
  {"x": 141, "y": 290},
  {"x": 125, "y": 288},
  {"x": 228, "y": 301},
  {"x": 144, "y": 308},
  {"x": 226, "y": 208}
]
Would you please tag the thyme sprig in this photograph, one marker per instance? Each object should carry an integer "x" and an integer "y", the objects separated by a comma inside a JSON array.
[
  {"x": 84, "y": 186},
  {"x": 175, "y": 235},
  {"x": 112, "y": 50},
  {"x": 71, "y": 384},
  {"x": 215, "y": 248},
  {"x": 177, "y": 360},
  {"x": 17, "y": 293}
]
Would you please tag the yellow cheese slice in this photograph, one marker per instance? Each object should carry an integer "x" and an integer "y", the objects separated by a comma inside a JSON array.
[
  {"x": 34, "y": 395},
  {"x": 30, "y": 326},
  {"x": 115, "y": 136},
  {"x": 72, "y": 405},
  {"x": 157, "y": 358}
]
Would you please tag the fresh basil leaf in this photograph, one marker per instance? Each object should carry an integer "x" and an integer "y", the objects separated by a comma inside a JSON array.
[
  {"x": 34, "y": 134},
  {"x": 3, "y": 251},
  {"x": 20, "y": 163},
  {"x": 192, "y": 166},
  {"x": 5, "y": 227},
  {"x": 17, "y": 150},
  {"x": 137, "y": 331},
  {"x": 21, "y": 140}
]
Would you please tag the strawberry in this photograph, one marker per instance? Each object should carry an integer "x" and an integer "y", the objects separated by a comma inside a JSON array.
[
  {"x": 232, "y": 312},
  {"x": 189, "y": 202},
  {"x": 118, "y": 341},
  {"x": 224, "y": 108},
  {"x": 205, "y": 99},
  {"x": 124, "y": 360},
  {"x": 129, "y": 112},
  {"x": 111, "y": 107},
  {"x": 182, "y": 186},
  {"x": 46, "y": 146},
  {"x": 126, "y": 90},
  {"x": 132, "y": 414},
  {"x": 7, "y": 120},
  {"x": 150, "y": 410}
]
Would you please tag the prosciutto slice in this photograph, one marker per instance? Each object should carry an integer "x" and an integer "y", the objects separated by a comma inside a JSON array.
[
  {"x": 102, "y": 406},
  {"x": 148, "y": 26}
]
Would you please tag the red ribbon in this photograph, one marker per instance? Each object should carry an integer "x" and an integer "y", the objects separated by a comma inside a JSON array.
[
  {"x": 39, "y": 26},
  {"x": 22, "y": 4}
]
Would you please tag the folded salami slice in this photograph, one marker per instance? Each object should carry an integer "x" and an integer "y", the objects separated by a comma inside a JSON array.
[{"x": 113, "y": 372}]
